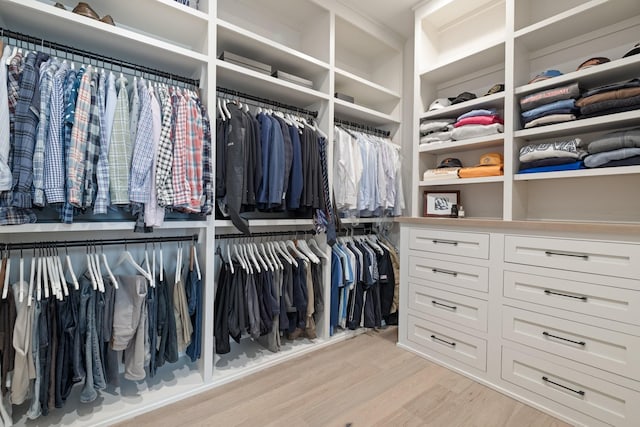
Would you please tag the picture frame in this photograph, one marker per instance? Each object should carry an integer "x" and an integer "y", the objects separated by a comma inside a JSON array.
[{"x": 438, "y": 203}]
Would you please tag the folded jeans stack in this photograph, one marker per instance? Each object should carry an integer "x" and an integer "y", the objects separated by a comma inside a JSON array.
[
  {"x": 552, "y": 156},
  {"x": 550, "y": 106},
  {"x": 620, "y": 148},
  {"x": 477, "y": 123},
  {"x": 610, "y": 99}
]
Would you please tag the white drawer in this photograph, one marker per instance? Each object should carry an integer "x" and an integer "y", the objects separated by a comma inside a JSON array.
[
  {"x": 473, "y": 245},
  {"x": 460, "y": 309},
  {"x": 449, "y": 273},
  {"x": 614, "y": 259},
  {"x": 454, "y": 344},
  {"x": 604, "y": 349},
  {"x": 597, "y": 398},
  {"x": 587, "y": 298}
]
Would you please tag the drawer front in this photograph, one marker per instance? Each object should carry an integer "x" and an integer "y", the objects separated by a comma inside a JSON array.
[
  {"x": 460, "y": 309},
  {"x": 617, "y": 304},
  {"x": 613, "y": 259},
  {"x": 604, "y": 349},
  {"x": 450, "y": 273},
  {"x": 473, "y": 245},
  {"x": 592, "y": 396},
  {"x": 456, "y": 345}
]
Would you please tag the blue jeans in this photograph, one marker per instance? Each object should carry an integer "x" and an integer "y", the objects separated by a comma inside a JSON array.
[
  {"x": 94, "y": 379},
  {"x": 194, "y": 298}
]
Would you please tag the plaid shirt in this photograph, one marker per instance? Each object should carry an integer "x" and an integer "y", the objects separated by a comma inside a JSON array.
[
  {"x": 143, "y": 151},
  {"x": 207, "y": 170},
  {"x": 71, "y": 87},
  {"x": 47, "y": 72},
  {"x": 180, "y": 183},
  {"x": 164, "y": 161},
  {"x": 54, "y": 159},
  {"x": 92, "y": 147},
  {"x": 25, "y": 132},
  {"x": 79, "y": 137},
  {"x": 194, "y": 152},
  {"x": 102, "y": 173},
  {"x": 6, "y": 178},
  {"x": 118, "y": 148}
]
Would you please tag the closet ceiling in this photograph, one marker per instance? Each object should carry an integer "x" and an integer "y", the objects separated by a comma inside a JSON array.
[{"x": 396, "y": 14}]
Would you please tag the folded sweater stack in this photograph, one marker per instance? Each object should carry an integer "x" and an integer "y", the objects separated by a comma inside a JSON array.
[
  {"x": 477, "y": 123},
  {"x": 620, "y": 148},
  {"x": 552, "y": 156},
  {"x": 436, "y": 131},
  {"x": 550, "y": 106},
  {"x": 610, "y": 99}
]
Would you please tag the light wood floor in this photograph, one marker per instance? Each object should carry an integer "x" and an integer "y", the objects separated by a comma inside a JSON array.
[{"x": 364, "y": 381}]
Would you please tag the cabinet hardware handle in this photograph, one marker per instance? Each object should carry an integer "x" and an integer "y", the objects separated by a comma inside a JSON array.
[
  {"x": 445, "y": 242},
  {"x": 437, "y": 270},
  {"x": 452, "y": 307},
  {"x": 547, "y": 334},
  {"x": 548, "y": 292},
  {"x": 580, "y": 392},
  {"x": 584, "y": 257},
  {"x": 452, "y": 344}
]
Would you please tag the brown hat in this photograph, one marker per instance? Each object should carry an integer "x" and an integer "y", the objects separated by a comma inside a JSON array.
[
  {"x": 593, "y": 61},
  {"x": 491, "y": 159}
]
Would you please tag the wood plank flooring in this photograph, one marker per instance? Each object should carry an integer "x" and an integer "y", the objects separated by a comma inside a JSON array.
[{"x": 364, "y": 381}]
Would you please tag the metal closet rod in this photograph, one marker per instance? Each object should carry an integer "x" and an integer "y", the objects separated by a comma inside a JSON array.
[
  {"x": 265, "y": 234},
  {"x": 97, "y": 57},
  {"x": 250, "y": 97},
  {"x": 93, "y": 242},
  {"x": 361, "y": 127}
]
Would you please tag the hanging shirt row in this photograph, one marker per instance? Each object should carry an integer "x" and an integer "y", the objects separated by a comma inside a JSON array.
[
  {"x": 87, "y": 141},
  {"x": 367, "y": 175},
  {"x": 56, "y": 334},
  {"x": 270, "y": 291},
  {"x": 268, "y": 161},
  {"x": 364, "y": 283}
]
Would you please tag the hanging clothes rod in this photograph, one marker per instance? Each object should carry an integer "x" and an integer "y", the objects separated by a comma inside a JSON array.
[
  {"x": 249, "y": 97},
  {"x": 265, "y": 234},
  {"x": 363, "y": 128},
  {"x": 97, "y": 57},
  {"x": 104, "y": 242}
]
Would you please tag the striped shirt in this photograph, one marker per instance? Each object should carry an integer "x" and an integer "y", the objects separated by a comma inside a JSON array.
[
  {"x": 164, "y": 161},
  {"x": 54, "y": 159},
  {"x": 143, "y": 151},
  {"x": 79, "y": 136}
]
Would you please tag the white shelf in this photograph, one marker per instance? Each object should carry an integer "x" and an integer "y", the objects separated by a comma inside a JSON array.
[
  {"x": 358, "y": 113},
  {"x": 489, "y": 141},
  {"x": 495, "y": 101},
  {"x": 582, "y": 173},
  {"x": 50, "y": 23},
  {"x": 461, "y": 181},
  {"x": 95, "y": 227},
  {"x": 364, "y": 91},
  {"x": 602, "y": 123},
  {"x": 441, "y": 14},
  {"x": 253, "y": 46},
  {"x": 589, "y": 16},
  {"x": 227, "y": 224},
  {"x": 245, "y": 80},
  {"x": 366, "y": 220}
]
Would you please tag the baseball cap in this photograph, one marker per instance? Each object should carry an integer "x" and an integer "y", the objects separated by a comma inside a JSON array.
[
  {"x": 495, "y": 89},
  {"x": 464, "y": 96},
  {"x": 634, "y": 51},
  {"x": 593, "y": 61},
  {"x": 547, "y": 74},
  {"x": 491, "y": 159},
  {"x": 450, "y": 162},
  {"x": 439, "y": 104}
]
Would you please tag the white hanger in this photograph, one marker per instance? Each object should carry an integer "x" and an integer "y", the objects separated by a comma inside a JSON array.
[
  {"x": 32, "y": 276},
  {"x": 178, "y": 263},
  {"x": 39, "y": 279},
  {"x": 302, "y": 246},
  {"x": 265, "y": 256},
  {"x": 238, "y": 256},
  {"x": 114, "y": 282},
  {"x": 56, "y": 289},
  {"x": 225, "y": 110},
  {"x": 374, "y": 244},
  {"x": 281, "y": 245},
  {"x": 13, "y": 54},
  {"x": 92, "y": 274},
  {"x": 5, "y": 290},
  {"x": 21, "y": 292},
  {"x": 295, "y": 250},
  {"x": 126, "y": 256},
  {"x": 274, "y": 256},
  {"x": 60, "y": 272},
  {"x": 74, "y": 279},
  {"x": 259, "y": 256},
  {"x": 229, "y": 259},
  {"x": 223, "y": 116},
  {"x": 151, "y": 279},
  {"x": 195, "y": 259},
  {"x": 98, "y": 271},
  {"x": 45, "y": 277},
  {"x": 245, "y": 253},
  {"x": 313, "y": 245},
  {"x": 161, "y": 264}
]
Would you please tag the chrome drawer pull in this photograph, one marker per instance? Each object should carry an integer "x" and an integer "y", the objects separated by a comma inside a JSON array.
[
  {"x": 452, "y": 307},
  {"x": 452, "y": 344},
  {"x": 445, "y": 242},
  {"x": 584, "y": 257},
  {"x": 580, "y": 392},
  {"x": 548, "y": 292},
  {"x": 437, "y": 270},
  {"x": 547, "y": 334}
]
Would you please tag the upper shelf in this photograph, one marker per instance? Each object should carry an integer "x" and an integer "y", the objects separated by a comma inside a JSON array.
[
  {"x": 43, "y": 227},
  {"x": 490, "y": 141},
  {"x": 461, "y": 181},
  {"x": 364, "y": 115},
  {"x": 495, "y": 101},
  {"x": 50, "y": 23},
  {"x": 582, "y": 173},
  {"x": 365, "y": 92},
  {"x": 581, "y": 19}
]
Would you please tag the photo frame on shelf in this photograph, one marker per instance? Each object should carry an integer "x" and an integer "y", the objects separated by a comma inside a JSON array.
[{"x": 439, "y": 203}]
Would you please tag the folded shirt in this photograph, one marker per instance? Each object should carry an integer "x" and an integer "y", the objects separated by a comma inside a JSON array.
[
  {"x": 549, "y": 113},
  {"x": 629, "y": 161},
  {"x": 612, "y": 86},
  {"x": 547, "y": 96},
  {"x": 567, "y": 149},
  {"x": 551, "y": 161},
  {"x": 557, "y": 168},
  {"x": 606, "y": 96},
  {"x": 599, "y": 159},
  {"x": 481, "y": 171},
  {"x": 565, "y": 103},
  {"x": 479, "y": 112},
  {"x": 550, "y": 119},
  {"x": 434, "y": 126},
  {"x": 632, "y": 103},
  {"x": 436, "y": 137},
  {"x": 440, "y": 173},
  {"x": 609, "y": 111},
  {"x": 478, "y": 120},
  {"x": 615, "y": 140},
  {"x": 475, "y": 131}
]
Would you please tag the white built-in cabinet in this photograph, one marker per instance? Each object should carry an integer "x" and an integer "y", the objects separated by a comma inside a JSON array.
[{"x": 323, "y": 41}]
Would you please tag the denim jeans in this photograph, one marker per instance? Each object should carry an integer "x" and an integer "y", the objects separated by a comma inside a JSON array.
[
  {"x": 194, "y": 297},
  {"x": 94, "y": 379},
  {"x": 34, "y": 409},
  {"x": 109, "y": 356},
  {"x": 67, "y": 326},
  {"x": 152, "y": 327}
]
